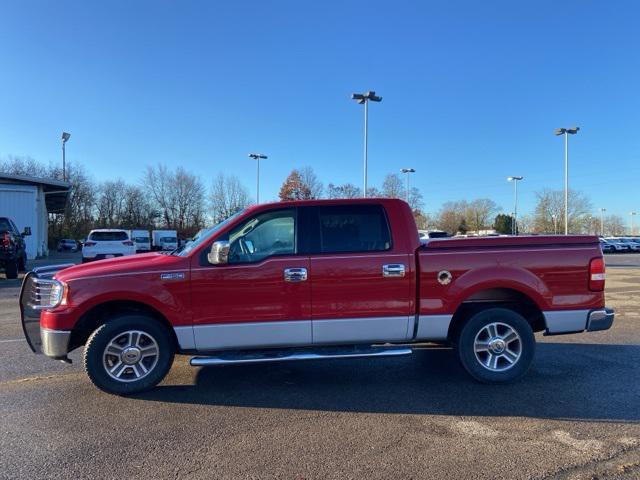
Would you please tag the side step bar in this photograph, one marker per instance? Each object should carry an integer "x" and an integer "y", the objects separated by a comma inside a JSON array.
[{"x": 286, "y": 355}]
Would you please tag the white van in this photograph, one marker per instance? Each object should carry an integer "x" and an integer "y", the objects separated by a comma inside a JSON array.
[
  {"x": 142, "y": 239},
  {"x": 164, "y": 239}
]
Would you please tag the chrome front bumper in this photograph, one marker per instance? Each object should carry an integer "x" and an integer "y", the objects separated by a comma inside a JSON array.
[{"x": 52, "y": 343}]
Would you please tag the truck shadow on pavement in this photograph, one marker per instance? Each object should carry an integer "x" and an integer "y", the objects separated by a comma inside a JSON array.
[{"x": 590, "y": 382}]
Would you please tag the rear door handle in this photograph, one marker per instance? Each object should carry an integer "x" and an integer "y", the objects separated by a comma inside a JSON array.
[
  {"x": 295, "y": 275},
  {"x": 393, "y": 270}
]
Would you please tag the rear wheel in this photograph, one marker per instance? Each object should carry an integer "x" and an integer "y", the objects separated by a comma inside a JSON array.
[
  {"x": 129, "y": 354},
  {"x": 11, "y": 269},
  {"x": 496, "y": 345}
]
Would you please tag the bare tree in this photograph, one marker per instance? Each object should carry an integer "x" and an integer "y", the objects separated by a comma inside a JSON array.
[
  {"x": 452, "y": 215},
  {"x": 138, "y": 212},
  {"x": 311, "y": 182},
  {"x": 415, "y": 199},
  {"x": 111, "y": 203},
  {"x": 392, "y": 186},
  {"x": 177, "y": 196},
  {"x": 480, "y": 212},
  {"x": 347, "y": 190},
  {"x": 549, "y": 211},
  {"x": 227, "y": 196},
  {"x": 23, "y": 165},
  {"x": 614, "y": 225}
]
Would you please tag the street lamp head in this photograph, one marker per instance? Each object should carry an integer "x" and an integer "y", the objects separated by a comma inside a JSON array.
[
  {"x": 515, "y": 178},
  {"x": 364, "y": 97},
  {"x": 603, "y": 209},
  {"x": 408, "y": 170},
  {"x": 571, "y": 131},
  {"x": 65, "y": 136},
  {"x": 257, "y": 156}
]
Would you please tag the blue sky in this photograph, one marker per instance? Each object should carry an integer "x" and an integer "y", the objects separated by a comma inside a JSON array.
[{"x": 472, "y": 91}]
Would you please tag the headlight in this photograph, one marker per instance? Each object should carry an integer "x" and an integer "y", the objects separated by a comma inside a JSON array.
[{"x": 47, "y": 294}]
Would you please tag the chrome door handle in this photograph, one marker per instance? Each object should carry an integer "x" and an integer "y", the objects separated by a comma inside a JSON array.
[
  {"x": 295, "y": 275},
  {"x": 393, "y": 270}
]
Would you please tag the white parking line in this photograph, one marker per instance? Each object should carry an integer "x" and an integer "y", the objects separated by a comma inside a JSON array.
[{"x": 12, "y": 340}]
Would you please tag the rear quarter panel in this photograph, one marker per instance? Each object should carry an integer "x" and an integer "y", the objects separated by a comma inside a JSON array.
[{"x": 555, "y": 277}]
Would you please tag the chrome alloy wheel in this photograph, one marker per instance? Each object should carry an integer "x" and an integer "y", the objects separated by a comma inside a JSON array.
[
  {"x": 130, "y": 356},
  {"x": 498, "y": 347}
]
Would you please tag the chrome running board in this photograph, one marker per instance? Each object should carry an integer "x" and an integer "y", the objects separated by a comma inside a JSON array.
[{"x": 286, "y": 355}]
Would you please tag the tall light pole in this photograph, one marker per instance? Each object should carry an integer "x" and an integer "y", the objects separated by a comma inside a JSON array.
[
  {"x": 514, "y": 224},
  {"x": 602, "y": 210},
  {"x": 566, "y": 132},
  {"x": 257, "y": 157},
  {"x": 632, "y": 214},
  {"x": 364, "y": 99},
  {"x": 65, "y": 136},
  {"x": 407, "y": 171}
]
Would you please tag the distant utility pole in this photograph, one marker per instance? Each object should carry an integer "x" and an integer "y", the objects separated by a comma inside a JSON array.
[
  {"x": 65, "y": 136},
  {"x": 632, "y": 214},
  {"x": 257, "y": 157},
  {"x": 514, "y": 224},
  {"x": 408, "y": 171},
  {"x": 364, "y": 99},
  {"x": 602, "y": 210},
  {"x": 566, "y": 132},
  {"x": 555, "y": 223}
]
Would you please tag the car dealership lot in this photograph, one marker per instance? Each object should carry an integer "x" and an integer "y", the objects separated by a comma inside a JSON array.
[{"x": 575, "y": 415}]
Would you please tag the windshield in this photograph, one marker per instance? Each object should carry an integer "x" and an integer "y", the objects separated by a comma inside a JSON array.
[
  {"x": 168, "y": 239},
  {"x": 204, "y": 235},
  {"x": 142, "y": 239}
]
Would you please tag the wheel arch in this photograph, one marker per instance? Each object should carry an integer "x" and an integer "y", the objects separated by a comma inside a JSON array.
[
  {"x": 101, "y": 313},
  {"x": 503, "y": 297}
]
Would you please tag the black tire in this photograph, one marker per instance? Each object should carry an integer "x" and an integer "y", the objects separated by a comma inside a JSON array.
[
  {"x": 95, "y": 358},
  {"x": 11, "y": 269},
  {"x": 508, "y": 367},
  {"x": 22, "y": 266}
]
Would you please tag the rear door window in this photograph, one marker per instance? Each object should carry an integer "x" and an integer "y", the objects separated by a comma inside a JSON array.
[{"x": 351, "y": 228}]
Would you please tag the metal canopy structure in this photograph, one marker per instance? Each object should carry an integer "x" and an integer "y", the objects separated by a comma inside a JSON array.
[{"x": 56, "y": 191}]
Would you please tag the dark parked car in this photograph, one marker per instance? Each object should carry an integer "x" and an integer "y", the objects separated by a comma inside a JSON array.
[
  {"x": 67, "y": 245},
  {"x": 13, "y": 254}
]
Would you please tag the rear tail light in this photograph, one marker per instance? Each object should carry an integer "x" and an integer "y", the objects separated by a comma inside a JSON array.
[
  {"x": 596, "y": 274},
  {"x": 128, "y": 243},
  {"x": 89, "y": 244},
  {"x": 6, "y": 240}
]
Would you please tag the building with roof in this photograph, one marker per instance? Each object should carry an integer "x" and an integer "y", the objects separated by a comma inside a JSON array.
[{"x": 28, "y": 201}]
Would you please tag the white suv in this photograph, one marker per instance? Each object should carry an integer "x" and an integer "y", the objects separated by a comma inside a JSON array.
[{"x": 107, "y": 243}]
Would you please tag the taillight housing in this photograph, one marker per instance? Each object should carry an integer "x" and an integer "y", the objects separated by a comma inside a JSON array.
[
  {"x": 6, "y": 240},
  {"x": 89, "y": 244},
  {"x": 597, "y": 274},
  {"x": 128, "y": 243}
]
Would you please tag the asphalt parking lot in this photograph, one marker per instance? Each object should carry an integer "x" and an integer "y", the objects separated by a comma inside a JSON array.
[{"x": 575, "y": 416}]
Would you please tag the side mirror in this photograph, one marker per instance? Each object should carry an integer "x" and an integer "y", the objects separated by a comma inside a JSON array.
[
  {"x": 219, "y": 253},
  {"x": 27, "y": 231}
]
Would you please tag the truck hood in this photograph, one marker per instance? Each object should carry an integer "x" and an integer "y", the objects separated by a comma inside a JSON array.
[{"x": 146, "y": 262}]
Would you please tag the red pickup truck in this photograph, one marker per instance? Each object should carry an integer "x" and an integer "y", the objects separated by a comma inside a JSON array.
[{"x": 313, "y": 280}]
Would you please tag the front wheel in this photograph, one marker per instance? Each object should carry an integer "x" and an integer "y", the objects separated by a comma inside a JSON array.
[
  {"x": 129, "y": 354},
  {"x": 11, "y": 269},
  {"x": 496, "y": 345}
]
